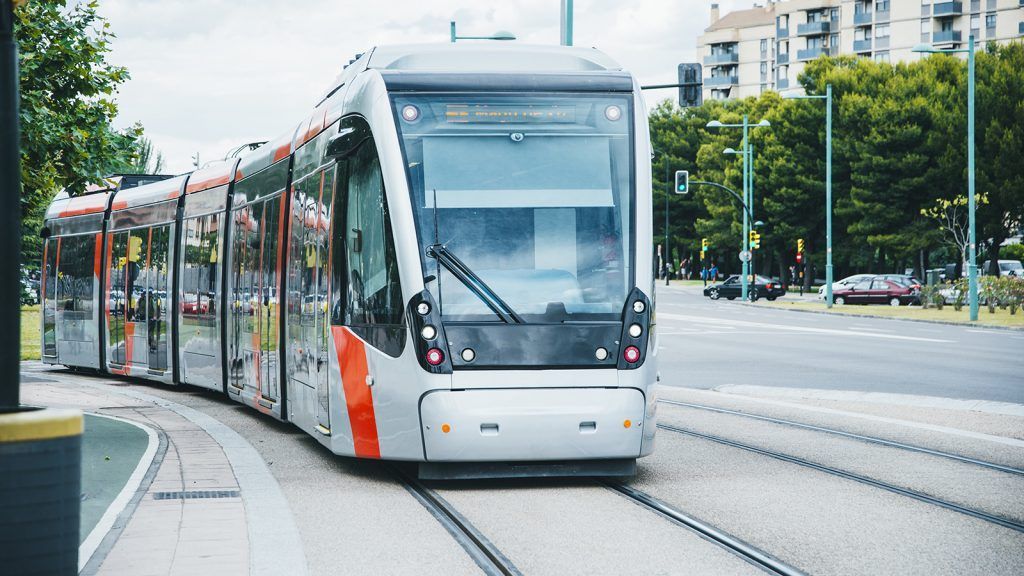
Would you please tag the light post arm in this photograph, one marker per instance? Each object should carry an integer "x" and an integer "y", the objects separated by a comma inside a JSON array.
[{"x": 730, "y": 191}]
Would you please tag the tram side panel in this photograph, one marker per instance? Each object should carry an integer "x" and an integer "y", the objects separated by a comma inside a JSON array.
[
  {"x": 258, "y": 211},
  {"x": 141, "y": 275},
  {"x": 199, "y": 288}
]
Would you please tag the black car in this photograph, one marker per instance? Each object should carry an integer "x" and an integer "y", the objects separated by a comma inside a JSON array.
[{"x": 732, "y": 288}]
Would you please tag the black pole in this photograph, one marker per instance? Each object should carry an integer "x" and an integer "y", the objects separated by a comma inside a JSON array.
[{"x": 10, "y": 214}]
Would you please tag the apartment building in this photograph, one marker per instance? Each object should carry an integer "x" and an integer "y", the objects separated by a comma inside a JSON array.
[{"x": 746, "y": 52}]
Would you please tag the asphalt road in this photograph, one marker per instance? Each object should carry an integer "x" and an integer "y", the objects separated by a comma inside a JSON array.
[{"x": 705, "y": 344}]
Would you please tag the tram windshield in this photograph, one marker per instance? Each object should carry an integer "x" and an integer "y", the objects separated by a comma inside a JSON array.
[{"x": 533, "y": 193}]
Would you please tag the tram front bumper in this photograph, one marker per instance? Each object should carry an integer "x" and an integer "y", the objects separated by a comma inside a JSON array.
[{"x": 520, "y": 424}]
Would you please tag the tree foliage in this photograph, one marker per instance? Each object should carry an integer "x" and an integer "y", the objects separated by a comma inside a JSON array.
[
  {"x": 67, "y": 106},
  {"x": 899, "y": 155}
]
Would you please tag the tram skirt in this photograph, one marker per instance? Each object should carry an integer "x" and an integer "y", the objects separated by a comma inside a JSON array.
[{"x": 40, "y": 491}]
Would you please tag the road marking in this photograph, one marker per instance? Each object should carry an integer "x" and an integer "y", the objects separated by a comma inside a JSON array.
[
  {"x": 907, "y": 423},
  {"x": 859, "y": 327},
  {"x": 746, "y": 323}
]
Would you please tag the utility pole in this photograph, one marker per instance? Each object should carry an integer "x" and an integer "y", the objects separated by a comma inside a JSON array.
[
  {"x": 566, "y": 23},
  {"x": 10, "y": 208}
]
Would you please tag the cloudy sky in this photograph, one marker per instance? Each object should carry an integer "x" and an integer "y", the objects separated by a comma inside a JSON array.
[{"x": 208, "y": 75}]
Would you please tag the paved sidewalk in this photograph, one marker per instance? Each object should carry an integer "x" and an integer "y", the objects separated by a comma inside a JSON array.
[{"x": 187, "y": 515}]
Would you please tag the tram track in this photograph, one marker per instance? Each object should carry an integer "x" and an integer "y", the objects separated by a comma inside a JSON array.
[
  {"x": 920, "y": 496},
  {"x": 740, "y": 548},
  {"x": 486, "y": 555},
  {"x": 851, "y": 435}
]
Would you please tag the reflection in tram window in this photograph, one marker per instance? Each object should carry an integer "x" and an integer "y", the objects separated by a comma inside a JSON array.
[{"x": 50, "y": 297}]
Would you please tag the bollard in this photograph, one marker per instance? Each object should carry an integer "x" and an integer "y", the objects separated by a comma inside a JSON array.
[{"x": 40, "y": 490}]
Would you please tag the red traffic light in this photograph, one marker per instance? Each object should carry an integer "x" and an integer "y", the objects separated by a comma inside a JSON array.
[{"x": 799, "y": 258}]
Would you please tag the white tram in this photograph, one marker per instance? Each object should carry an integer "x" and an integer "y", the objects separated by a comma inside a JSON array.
[{"x": 449, "y": 262}]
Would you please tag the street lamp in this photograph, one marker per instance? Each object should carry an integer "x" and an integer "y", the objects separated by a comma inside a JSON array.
[
  {"x": 972, "y": 270},
  {"x": 828, "y": 184},
  {"x": 748, "y": 182},
  {"x": 499, "y": 35}
]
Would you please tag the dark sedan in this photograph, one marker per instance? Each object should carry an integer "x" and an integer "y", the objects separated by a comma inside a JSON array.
[
  {"x": 732, "y": 288},
  {"x": 877, "y": 290}
]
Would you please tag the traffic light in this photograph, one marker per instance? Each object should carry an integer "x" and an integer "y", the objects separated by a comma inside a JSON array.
[
  {"x": 703, "y": 244},
  {"x": 799, "y": 258},
  {"x": 800, "y": 246},
  {"x": 682, "y": 181},
  {"x": 134, "y": 248},
  {"x": 690, "y": 84},
  {"x": 755, "y": 239}
]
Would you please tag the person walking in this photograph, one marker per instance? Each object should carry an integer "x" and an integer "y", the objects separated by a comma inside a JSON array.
[{"x": 714, "y": 272}]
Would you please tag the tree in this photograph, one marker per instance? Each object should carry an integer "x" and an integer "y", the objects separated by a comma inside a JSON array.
[
  {"x": 951, "y": 216},
  {"x": 67, "y": 106},
  {"x": 144, "y": 161}
]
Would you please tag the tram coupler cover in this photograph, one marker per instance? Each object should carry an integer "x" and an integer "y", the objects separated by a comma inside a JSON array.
[{"x": 40, "y": 490}]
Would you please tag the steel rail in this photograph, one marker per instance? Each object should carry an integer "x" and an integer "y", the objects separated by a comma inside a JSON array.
[
  {"x": 861, "y": 437},
  {"x": 477, "y": 546},
  {"x": 747, "y": 551},
  {"x": 1004, "y": 522}
]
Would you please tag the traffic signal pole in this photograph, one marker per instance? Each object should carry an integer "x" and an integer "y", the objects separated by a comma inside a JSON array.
[
  {"x": 10, "y": 209},
  {"x": 745, "y": 244}
]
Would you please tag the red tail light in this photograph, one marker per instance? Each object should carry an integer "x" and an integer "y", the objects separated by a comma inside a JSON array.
[
  {"x": 770, "y": 285},
  {"x": 434, "y": 356},
  {"x": 631, "y": 354}
]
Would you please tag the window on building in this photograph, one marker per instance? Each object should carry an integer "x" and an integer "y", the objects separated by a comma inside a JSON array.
[
  {"x": 882, "y": 57},
  {"x": 975, "y": 21},
  {"x": 990, "y": 20},
  {"x": 861, "y": 34},
  {"x": 862, "y": 7},
  {"x": 833, "y": 40},
  {"x": 784, "y": 21},
  {"x": 784, "y": 47},
  {"x": 946, "y": 25},
  {"x": 783, "y": 71},
  {"x": 815, "y": 15},
  {"x": 882, "y": 31},
  {"x": 764, "y": 67},
  {"x": 764, "y": 87},
  {"x": 882, "y": 6},
  {"x": 926, "y": 26},
  {"x": 814, "y": 43},
  {"x": 834, "y": 14},
  {"x": 764, "y": 45}
]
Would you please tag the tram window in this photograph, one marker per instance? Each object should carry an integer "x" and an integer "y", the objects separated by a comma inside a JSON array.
[
  {"x": 200, "y": 280},
  {"x": 365, "y": 266},
  {"x": 75, "y": 275},
  {"x": 49, "y": 298}
]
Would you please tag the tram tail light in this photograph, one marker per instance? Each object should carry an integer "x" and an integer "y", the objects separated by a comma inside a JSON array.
[
  {"x": 435, "y": 356},
  {"x": 631, "y": 354}
]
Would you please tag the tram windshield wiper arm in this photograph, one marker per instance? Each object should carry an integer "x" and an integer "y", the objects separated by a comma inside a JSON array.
[{"x": 475, "y": 284}]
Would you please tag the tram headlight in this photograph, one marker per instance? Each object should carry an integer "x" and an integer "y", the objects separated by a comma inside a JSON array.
[
  {"x": 635, "y": 330},
  {"x": 423, "y": 308},
  {"x": 410, "y": 113},
  {"x": 468, "y": 355},
  {"x": 601, "y": 354},
  {"x": 613, "y": 113},
  {"x": 639, "y": 307},
  {"x": 631, "y": 354},
  {"x": 435, "y": 356},
  {"x": 428, "y": 332}
]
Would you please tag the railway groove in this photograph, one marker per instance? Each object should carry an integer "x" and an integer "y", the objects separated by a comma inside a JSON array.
[
  {"x": 747, "y": 551},
  {"x": 851, "y": 435},
  {"x": 486, "y": 555},
  {"x": 1001, "y": 521}
]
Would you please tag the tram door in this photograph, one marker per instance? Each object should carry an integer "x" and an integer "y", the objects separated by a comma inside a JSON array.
[
  {"x": 138, "y": 325},
  {"x": 49, "y": 292},
  {"x": 309, "y": 280}
]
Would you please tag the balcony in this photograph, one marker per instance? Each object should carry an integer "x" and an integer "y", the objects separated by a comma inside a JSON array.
[
  {"x": 862, "y": 45},
  {"x": 721, "y": 81},
  {"x": 948, "y": 9},
  {"x": 782, "y": 84},
  {"x": 811, "y": 53},
  {"x": 782, "y": 32},
  {"x": 861, "y": 18},
  {"x": 721, "y": 58},
  {"x": 782, "y": 58},
  {"x": 946, "y": 37},
  {"x": 813, "y": 28}
]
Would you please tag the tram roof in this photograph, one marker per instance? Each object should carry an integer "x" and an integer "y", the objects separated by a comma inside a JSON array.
[{"x": 497, "y": 57}]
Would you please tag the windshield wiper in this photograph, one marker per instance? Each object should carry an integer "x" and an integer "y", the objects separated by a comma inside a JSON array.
[{"x": 475, "y": 284}]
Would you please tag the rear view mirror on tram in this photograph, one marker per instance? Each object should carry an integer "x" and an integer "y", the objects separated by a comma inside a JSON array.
[{"x": 347, "y": 140}]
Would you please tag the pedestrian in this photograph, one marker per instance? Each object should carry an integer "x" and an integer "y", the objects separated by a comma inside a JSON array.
[
  {"x": 714, "y": 272},
  {"x": 704, "y": 274},
  {"x": 685, "y": 269}
]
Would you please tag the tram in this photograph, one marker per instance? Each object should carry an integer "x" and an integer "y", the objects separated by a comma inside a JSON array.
[{"x": 449, "y": 262}]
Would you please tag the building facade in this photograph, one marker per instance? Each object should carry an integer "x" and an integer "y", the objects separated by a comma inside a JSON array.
[{"x": 746, "y": 52}]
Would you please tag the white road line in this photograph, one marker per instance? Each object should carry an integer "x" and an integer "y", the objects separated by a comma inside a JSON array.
[
  {"x": 745, "y": 323},
  {"x": 859, "y": 327}
]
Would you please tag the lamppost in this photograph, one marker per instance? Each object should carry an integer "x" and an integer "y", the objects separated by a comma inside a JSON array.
[
  {"x": 748, "y": 184},
  {"x": 972, "y": 270},
  {"x": 499, "y": 35},
  {"x": 828, "y": 184}
]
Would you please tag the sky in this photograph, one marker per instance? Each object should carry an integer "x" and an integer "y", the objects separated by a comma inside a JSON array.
[{"x": 210, "y": 75}]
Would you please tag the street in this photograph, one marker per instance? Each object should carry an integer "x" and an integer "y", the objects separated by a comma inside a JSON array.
[{"x": 708, "y": 344}]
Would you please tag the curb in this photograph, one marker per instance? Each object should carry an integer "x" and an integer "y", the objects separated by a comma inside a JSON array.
[{"x": 921, "y": 320}]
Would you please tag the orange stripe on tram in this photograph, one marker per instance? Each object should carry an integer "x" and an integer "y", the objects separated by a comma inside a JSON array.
[{"x": 358, "y": 396}]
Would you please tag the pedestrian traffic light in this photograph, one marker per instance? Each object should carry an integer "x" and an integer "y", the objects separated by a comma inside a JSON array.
[
  {"x": 799, "y": 258},
  {"x": 755, "y": 239},
  {"x": 703, "y": 244},
  {"x": 682, "y": 182},
  {"x": 800, "y": 246}
]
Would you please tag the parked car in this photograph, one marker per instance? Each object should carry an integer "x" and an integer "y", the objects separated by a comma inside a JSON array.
[
  {"x": 906, "y": 279},
  {"x": 1006, "y": 268},
  {"x": 845, "y": 282},
  {"x": 877, "y": 290},
  {"x": 732, "y": 288}
]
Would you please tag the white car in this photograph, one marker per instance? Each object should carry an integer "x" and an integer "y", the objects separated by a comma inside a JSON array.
[{"x": 848, "y": 281}]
